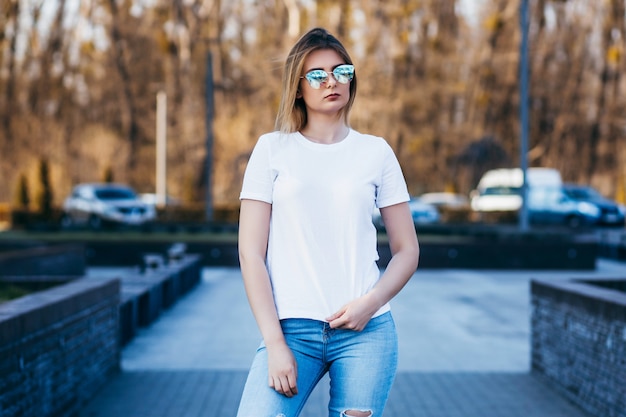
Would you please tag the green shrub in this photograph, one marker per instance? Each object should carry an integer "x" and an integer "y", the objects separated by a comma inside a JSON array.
[
  {"x": 108, "y": 175},
  {"x": 11, "y": 292},
  {"x": 22, "y": 195},
  {"x": 45, "y": 194}
]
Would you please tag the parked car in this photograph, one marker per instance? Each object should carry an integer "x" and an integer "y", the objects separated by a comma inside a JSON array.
[
  {"x": 612, "y": 214},
  {"x": 552, "y": 206},
  {"x": 422, "y": 213},
  {"x": 548, "y": 203},
  {"x": 501, "y": 189},
  {"x": 100, "y": 204},
  {"x": 445, "y": 200}
]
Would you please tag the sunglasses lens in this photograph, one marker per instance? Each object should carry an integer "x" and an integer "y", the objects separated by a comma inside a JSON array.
[
  {"x": 316, "y": 78},
  {"x": 344, "y": 73}
]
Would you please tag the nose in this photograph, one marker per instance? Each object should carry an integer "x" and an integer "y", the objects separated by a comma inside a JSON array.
[{"x": 331, "y": 80}]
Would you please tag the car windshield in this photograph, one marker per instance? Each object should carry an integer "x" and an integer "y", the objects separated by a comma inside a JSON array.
[
  {"x": 502, "y": 191},
  {"x": 115, "y": 194},
  {"x": 583, "y": 193}
]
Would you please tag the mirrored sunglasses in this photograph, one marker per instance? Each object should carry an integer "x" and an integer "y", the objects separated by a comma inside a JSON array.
[{"x": 342, "y": 73}]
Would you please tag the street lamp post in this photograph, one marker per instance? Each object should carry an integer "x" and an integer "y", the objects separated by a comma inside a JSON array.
[
  {"x": 161, "y": 149},
  {"x": 524, "y": 119},
  {"x": 210, "y": 115}
]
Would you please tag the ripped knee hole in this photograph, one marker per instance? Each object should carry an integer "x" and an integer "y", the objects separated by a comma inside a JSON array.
[{"x": 356, "y": 413}]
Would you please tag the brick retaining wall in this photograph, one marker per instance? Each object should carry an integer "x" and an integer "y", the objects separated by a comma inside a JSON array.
[
  {"x": 578, "y": 341},
  {"x": 67, "y": 260},
  {"x": 144, "y": 295},
  {"x": 57, "y": 347}
]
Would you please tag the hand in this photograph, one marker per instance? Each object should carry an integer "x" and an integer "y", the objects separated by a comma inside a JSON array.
[
  {"x": 355, "y": 315},
  {"x": 283, "y": 369}
]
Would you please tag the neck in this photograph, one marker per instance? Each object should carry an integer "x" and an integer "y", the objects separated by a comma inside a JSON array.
[{"x": 326, "y": 133}]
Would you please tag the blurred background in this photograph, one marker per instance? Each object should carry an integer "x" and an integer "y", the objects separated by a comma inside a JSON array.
[{"x": 437, "y": 78}]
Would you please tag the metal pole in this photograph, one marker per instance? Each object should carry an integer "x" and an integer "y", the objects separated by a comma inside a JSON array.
[
  {"x": 161, "y": 149},
  {"x": 524, "y": 118},
  {"x": 210, "y": 114}
]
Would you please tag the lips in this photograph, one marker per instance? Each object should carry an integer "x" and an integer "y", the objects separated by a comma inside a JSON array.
[{"x": 333, "y": 95}]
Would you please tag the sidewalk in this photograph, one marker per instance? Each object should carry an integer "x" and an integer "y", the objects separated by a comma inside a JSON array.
[{"x": 464, "y": 351}]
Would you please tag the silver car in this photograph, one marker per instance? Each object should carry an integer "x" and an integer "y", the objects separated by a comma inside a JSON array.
[
  {"x": 103, "y": 204},
  {"x": 422, "y": 213}
]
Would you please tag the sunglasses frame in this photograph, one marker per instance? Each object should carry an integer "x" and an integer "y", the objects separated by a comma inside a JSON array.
[{"x": 341, "y": 78}]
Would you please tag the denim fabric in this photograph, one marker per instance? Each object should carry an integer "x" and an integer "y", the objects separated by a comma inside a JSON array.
[{"x": 361, "y": 367}]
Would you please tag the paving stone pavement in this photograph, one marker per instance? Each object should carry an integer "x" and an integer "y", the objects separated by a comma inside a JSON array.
[{"x": 463, "y": 337}]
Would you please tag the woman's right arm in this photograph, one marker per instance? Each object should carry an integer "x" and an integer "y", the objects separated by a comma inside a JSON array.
[{"x": 254, "y": 222}]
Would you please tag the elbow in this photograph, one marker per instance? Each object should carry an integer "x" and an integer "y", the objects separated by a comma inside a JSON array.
[
  {"x": 244, "y": 259},
  {"x": 412, "y": 254},
  {"x": 408, "y": 255},
  {"x": 248, "y": 258},
  {"x": 415, "y": 256},
  {"x": 241, "y": 255}
]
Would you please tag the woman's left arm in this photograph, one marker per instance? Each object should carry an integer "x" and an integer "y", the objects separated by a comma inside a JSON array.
[{"x": 404, "y": 259}]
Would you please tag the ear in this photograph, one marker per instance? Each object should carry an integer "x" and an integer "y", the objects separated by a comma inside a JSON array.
[{"x": 298, "y": 94}]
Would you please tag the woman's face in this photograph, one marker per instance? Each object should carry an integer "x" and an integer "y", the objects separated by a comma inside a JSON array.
[{"x": 331, "y": 96}]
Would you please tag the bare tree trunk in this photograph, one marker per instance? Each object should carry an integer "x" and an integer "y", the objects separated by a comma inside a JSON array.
[
  {"x": 293, "y": 11},
  {"x": 615, "y": 135},
  {"x": 128, "y": 111},
  {"x": 11, "y": 11}
]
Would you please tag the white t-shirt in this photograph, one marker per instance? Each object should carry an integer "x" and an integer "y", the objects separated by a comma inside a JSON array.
[{"x": 321, "y": 250}]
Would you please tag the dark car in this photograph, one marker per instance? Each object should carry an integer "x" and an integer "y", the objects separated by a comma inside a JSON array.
[
  {"x": 551, "y": 206},
  {"x": 101, "y": 204},
  {"x": 611, "y": 213}
]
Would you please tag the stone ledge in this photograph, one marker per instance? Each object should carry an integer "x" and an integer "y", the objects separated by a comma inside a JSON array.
[
  {"x": 578, "y": 341},
  {"x": 30, "y": 313},
  {"x": 145, "y": 295},
  {"x": 58, "y": 347}
]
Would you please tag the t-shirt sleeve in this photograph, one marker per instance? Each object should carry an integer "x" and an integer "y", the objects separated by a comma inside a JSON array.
[
  {"x": 258, "y": 181},
  {"x": 392, "y": 187}
]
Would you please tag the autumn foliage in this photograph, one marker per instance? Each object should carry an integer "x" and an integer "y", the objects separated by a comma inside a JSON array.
[{"x": 78, "y": 88}]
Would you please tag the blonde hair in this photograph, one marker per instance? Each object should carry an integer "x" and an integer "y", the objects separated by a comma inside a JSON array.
[{"x": 292, "y": 115}]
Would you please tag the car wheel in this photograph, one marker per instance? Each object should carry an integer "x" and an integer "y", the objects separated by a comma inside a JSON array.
[
  {"x": 574, "y": 222},
  {"x": 95, "y": 222},
  {"x": 66, "y": 221}
]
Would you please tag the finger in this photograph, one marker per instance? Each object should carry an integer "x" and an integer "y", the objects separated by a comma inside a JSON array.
[
  {"x": 276, "y": 385},
  {"x": 338, "y": 323},
  {"x": 292, "y": 382},
  {"x": 336, "y": 315},
  {"x": 333, "y": 317},
  {"x": 285, "y": 388}
]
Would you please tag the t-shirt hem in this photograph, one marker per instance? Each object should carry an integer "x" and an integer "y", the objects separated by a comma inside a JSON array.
[
  {"x": 300, "y": 314},
  {"x": 258, "y": 197},
  {"x": 392, "y": 202}
]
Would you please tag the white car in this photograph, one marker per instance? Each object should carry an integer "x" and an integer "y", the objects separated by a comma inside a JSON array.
[
  {"x": 500, "y": 189},
  {"x": 101, "y": 204},
  {"x": 446, "y": 200}
]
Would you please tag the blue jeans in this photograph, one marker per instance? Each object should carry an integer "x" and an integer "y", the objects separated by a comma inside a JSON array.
[{"x": 361, "y": 367}]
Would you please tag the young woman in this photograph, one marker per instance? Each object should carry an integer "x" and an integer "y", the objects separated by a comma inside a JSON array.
[{"x": 307, "y": 245}]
